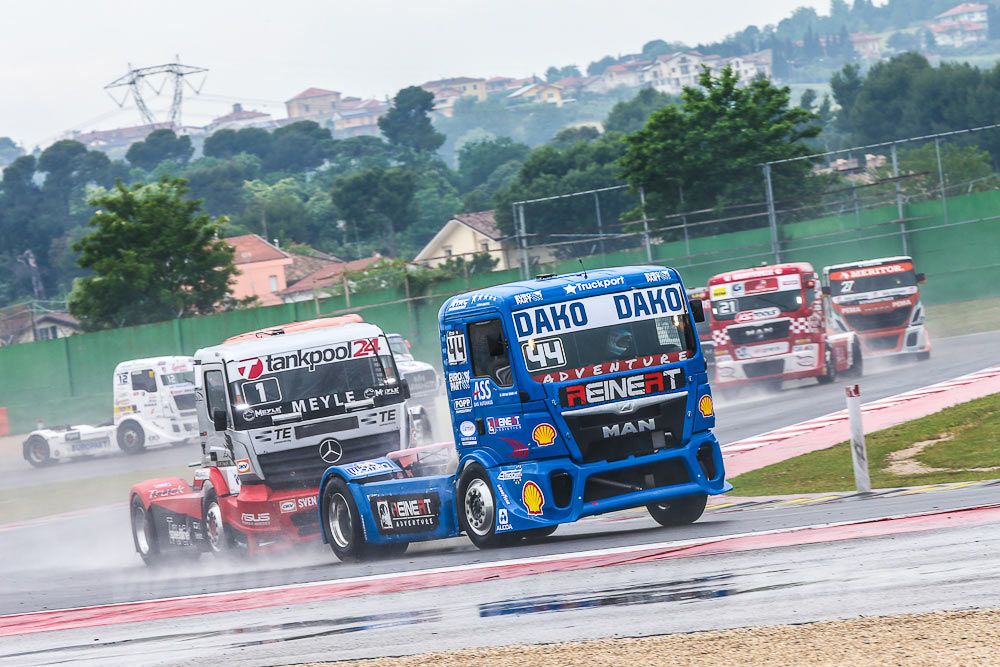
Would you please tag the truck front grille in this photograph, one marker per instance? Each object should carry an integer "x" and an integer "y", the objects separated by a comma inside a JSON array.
[
  {"x": 184, "y": 401},
  {"x": 764, "y": 368},
  {"x": 302, "y": 468},
  {"x": 607, "y": 436},
  {"x": 748, "y": 334},
  {"x": 888, "y": 320},
  {"x": 422, "y": 382}
]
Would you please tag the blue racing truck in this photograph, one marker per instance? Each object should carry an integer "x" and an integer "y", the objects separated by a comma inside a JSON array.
[{"x": 570, "y": 395}]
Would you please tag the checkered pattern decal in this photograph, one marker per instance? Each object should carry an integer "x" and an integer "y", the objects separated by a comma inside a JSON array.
[
  {"x": 720, "y": 337},
  {"x": 802, "y": 325}
]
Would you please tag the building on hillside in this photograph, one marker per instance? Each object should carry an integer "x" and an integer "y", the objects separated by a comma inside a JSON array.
[
  {"x": 498, "y": 84},
  {"x": 465, "y": 235},
  {"x": 240, "y": 118},
  {"x": 312, "y": 103},
  {"x": 326, "y": 279},
  {"x": 448, "y": 91},
  {"x": 623, "y": 75},
  {"x": 119, "y": 137},
  {"x": 261, "y": 269},
  {"x": 751, "y": 65},
  {"x": 21, "y": 323},
  {"x": 963, "y": 24},
  {"x": 356, "y": 117},
  {"x": 548, "y": 93},
  {"x": 866, "y": 45},
  {"x": 671, "y": 72}
]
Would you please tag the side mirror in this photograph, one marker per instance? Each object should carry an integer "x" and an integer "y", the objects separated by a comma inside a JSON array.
[
  {"x": 921, "y": 278},
  {"x": 826, "y": 290},
  {"x": 404, "y": 387},
  {"x": 697, "y": 310},
  {"x": 219, "y": 419}
]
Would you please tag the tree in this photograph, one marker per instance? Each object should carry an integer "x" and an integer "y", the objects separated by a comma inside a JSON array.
[
  {"x": 220, "y": 183},
  {"x": 808, "y": 99},
  {"x": 407, "y": 123},
  {"x": 158, "y": 146},
  {"x": 380, "y": 199},
  {"x": 555, "y": 73},
  {"x": 965, "y": 167},
  {"x": 154, "y": 255},
  {"x": 712, "y": 145},
  {"x": 597, "y": 67},
  {"x": 298, "y": 147},
  {"x": 9, "y": 151},
  {"x": 846, "y": 84},
  {"x": 631, "y": 115},
  {"x": 478, "y": 159}
]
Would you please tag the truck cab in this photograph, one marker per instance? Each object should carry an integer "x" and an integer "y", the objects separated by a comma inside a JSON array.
[
  {"x": 768, "y": 326},
  {"x": 274, "y": 411},
  {"x": 570, "y": 396},
  {"x": 154, "y": 402},
  {"x": 879, "y": 301}
]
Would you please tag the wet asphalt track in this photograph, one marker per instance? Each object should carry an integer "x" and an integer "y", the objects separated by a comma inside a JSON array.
[{"x": 88, "y": 559}]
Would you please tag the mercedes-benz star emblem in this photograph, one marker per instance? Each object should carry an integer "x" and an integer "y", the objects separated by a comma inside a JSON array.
[{"x": 330, "y": 451}]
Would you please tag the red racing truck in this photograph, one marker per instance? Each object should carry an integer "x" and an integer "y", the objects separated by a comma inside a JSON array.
[
  {"x": 768, "y": 326},
  {"x": 879, "y": 301}
]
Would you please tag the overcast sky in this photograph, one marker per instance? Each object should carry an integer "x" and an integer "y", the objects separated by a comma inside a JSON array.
[{"x": 58, "y": 55}]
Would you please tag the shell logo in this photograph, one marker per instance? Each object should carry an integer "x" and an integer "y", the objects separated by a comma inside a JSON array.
[
  {"x": 532, "y": 497},
  {"x": 705, "y": 406},
  {"x": 544, "y": 434}
]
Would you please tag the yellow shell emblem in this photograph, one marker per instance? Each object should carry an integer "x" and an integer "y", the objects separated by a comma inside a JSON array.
[
  {"x": 544, "y": 434},
  {"x": 532, "y": 497},
  {"x": 705, "y": 406}
]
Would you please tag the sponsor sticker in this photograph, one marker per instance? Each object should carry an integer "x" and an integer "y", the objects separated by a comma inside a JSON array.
[
  {"x": 757, "y": 315},
  {"x": 406, "y": 513},
  {"x": 594, "y": 284},
  {"x": 467, "y": 428},
  {"x": 531, "y": 496},
  {"x": 528, "y": 297},
  {"x": 544, "y": 434},
  {"x": 504, "y": 423},
  {"x": 256, "y": 519},
  {"x": 630, "y": 386},
  {"x": 503, "y": 495},
  {"x": 503, "y": 521},
  {"x": 288, "y": 506},
  {"x": 543, "y": 354},
  {"x": 461, "y": 405},
  {"x": 656, "y": 276},
  {"x": 512, "y": 474},
  {"x": 457, "y": 304},
  {"x": 366, "y": 468},
  {"x": 458, "y": 380},
  {"x": 243, "y": 465},
  {"x": 482, "y": 393}
]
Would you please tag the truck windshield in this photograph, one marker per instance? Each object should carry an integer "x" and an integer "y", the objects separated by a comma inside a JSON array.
[
  {"x": 177, "y": 378},
  {"x": 398, "y": 347},
  {"x": 872, "y": 283},
  {"x": 786, "y": 301},
  {"x": 275, "y": 389},
  {"x": 610, "y": 349}
]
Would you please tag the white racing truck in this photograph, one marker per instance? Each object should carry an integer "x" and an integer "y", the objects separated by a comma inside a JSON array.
[
  {"x": 153, "y": 405},
  {"x": 424, "y": 382}
]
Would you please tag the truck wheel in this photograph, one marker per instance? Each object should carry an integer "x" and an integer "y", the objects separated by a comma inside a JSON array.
[
  {"x": 144, "y": 533},
  {"x": 678, "y": 511},
  {"x": 131, "y": 437},
  {"x": 857, "y": 368},
  {"x": 342, "y": 521},
  {"x": 36, "y": 450},
  {"x": 218, "y": 536},
  {"x": 477, "y": 508},
  {"x": 829, "y": 367}
]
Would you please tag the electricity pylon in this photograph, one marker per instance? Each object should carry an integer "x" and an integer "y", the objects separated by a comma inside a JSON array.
[{"x": 135, "y": 77}]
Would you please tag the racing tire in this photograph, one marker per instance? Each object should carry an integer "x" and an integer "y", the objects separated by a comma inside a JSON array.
[
  {"x": 829, "y": 367},
  {"x": 923, "y": 356},
  {"x": 678, "y": 511},
  {"x": 36, "y": 450},
  {"x": 477, "y": 509},
  {"x": 131, "y": 437},
  {"x": 219, "y": 538},
  {"x": 341, "y": 523},
  {"x": 144, "y": 533},
  {"x": 857, "y": 368}
]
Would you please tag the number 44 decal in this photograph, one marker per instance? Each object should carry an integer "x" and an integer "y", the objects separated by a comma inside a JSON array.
[
  {"x": 455, "y": 347},
  {"x": 542, "y": 354}
]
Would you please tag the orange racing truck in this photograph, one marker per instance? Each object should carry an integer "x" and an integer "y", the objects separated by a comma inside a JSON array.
[
  {"x": 879, "y": 301},
  {"x": 768, "y": 326}
]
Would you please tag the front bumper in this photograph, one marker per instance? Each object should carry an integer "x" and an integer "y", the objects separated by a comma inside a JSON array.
[
  {"x": 884, "y": 343},
  {"x": 801, "y": 361}
]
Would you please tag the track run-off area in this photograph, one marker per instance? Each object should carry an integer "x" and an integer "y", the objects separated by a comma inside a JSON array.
[{"x": 74, "y": 590}]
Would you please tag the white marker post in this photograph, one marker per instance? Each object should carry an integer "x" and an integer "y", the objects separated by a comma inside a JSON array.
[{"x": 859, "y": 455}]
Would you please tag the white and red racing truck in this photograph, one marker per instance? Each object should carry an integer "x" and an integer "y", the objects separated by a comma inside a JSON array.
[
  {"x": 768, "y": 326},
  {"x": 153, "y": 405},
  {"x": 879, "y": 301}
]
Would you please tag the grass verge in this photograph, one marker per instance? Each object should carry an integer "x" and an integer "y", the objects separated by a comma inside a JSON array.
[
  {"x": 963, "y": 317},
  {"x": 975, "y": 427},
  {"x": 31, "y": 502}
]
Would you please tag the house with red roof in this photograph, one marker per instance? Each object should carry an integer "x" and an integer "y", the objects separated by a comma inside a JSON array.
[
  {"x": 465, "y": 235},
  {"x": 313, "y": 102},
  {"x": 447, "y": 91},
  {"x": 963, "y": 24},
  {"x": 260, "y": 268},
  {"x": 121, "y": 136},
  {"x": 867, "y": 45},
  {"x": 325, "y": 280},
  {"x": 239, "y": 118}
]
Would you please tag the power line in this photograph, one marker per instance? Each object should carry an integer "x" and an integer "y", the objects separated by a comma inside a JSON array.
[{"x": 136, "y": 77}]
